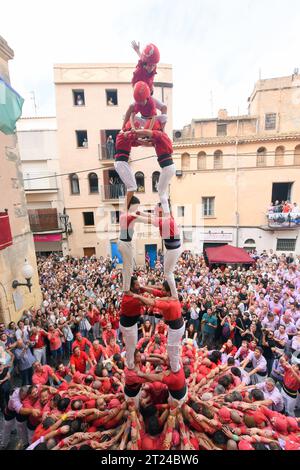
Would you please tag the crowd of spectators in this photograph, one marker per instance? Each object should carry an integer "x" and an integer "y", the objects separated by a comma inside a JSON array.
[{"x": 63, "y": 366}]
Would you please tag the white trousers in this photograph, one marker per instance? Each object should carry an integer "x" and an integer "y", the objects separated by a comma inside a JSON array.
[
  {"x": 173, "y": 347},
  {"x": 165, "y": 177},
  {"x": 289, "y": 403},
  {"x": 126, "y": 174},
  {"x": 170, "y": 259},
  {"x": 130, "y": 338},
  {"x": 125, "y": 249},
  {"x": 40, "y": 355}
]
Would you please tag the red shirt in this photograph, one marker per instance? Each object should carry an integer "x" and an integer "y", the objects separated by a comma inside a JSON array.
[
  {"x": 93, "y": 316},
  {"x": 175, "y": 380},
  {"x": 82, "y": 344},
  {"x": 167, "y": 227},
  {"x": 290, "y": 381},
  {"x": 79, "y": 362},
  {"x": 98, "y": 352},
  {"x": 147, "y": 110},
  {"x": 115, "y": 322},
  {"x": 106, "y": 335},
  {"x": 110, "y": 351},
  {"x": 171, "y": 309},
  {"x": 131, "y": 307},
  {"x": 132, "y": 378},
  {"x": 162, "y": 143},
  {"x": 127, "y": 222},
  {"x": 41, "y": 378},
  {"x": 141, "y": 74},
  {"x": 55, "y": 341},
  {"x": 39, "y": 340}
]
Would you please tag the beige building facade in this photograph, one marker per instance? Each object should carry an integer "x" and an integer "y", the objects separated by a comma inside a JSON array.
[
  {"x": 14, "y": 220},
  {"x": 91, "y": 102},
  {"x": 231, "y": 168},
  {"x": 37, "y": 138}
]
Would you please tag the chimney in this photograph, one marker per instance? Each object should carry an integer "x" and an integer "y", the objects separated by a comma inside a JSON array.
[{"x": 222, "y": 114}]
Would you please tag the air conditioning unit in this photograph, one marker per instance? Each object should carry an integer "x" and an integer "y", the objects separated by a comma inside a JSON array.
[
  {"x": 177, "y": 135},
  {"x": 178, "y": 173}
]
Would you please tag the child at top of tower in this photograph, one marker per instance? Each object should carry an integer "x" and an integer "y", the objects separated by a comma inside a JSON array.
[
  {"x": 145, "y": 105},
  {"x": 146, "y": 67}
]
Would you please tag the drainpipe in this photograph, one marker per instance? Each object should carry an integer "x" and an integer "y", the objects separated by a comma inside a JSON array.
[{"x": 236, "y": 184}]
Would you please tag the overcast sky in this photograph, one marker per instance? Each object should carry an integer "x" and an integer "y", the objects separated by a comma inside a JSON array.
[{"x": 216, "y": 47}]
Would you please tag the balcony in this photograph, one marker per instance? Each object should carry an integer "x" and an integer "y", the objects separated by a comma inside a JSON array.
[
  {"x": 43, "y": 220},
  {"x": 43, "y": 181},
  {"x": 104, "y": 155},
  {"x": 283, "y": 220},
  {"x": 5, "y": 231},
  {"x": 113, "y": 192}
]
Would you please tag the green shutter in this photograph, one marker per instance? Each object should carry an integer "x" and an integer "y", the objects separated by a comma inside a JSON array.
[{"x": 10, "y": 107}]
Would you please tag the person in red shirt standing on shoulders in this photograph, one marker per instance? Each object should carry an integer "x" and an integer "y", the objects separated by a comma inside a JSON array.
[
  {"x": 175, "y": 381},
  {"x": 170, "y": 308},
  {"x": 133, "y": 382},
  {"x": 146, "y": 68},
  {"x": 79, "y": 360},
  {"x": 169, "y": 232},
  {"x": 127, "y": 222},
  {"x": 131, "y": 310}
]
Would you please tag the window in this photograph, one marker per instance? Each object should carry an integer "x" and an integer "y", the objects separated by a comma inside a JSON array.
[
  {"x": 155, "y": 179},
  {"x": 180, "y": 211},
  {"x": 115, "y": 217},
  {"x": 297, "y": 155},
  {"x": 74, "y": 183},
  {"x": 221, "y": 129},
  {"x": 218, "y": 160},
  {"x": 81, "y": 139},
  {"x": 93, "y": 183},
  {"x": 111, "y": 97},
  {"x": 185, "y": 161},
  {"x": 208, "y": 206},
  {"x": 201, "y": 161},
  {"x": 261, "y": 159},
  {"x": 187, "y": 236},
  {"x": 281, "y": 192},
  {"x": 88, "y": 218},
  {"x": 78, "y": 98},
  {"x": 250, "y": 241},
  {"x": 279, "y": 156},
  {"x": 286, "y": 244},
  {"x": 270, "y": 121},
  {"x": 140, "y": 182}
]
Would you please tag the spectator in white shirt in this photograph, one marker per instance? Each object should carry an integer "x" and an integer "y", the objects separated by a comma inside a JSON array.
[{"x": 258, "y": 372}]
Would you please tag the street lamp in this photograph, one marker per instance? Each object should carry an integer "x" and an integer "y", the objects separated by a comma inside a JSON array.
[
  {"x": 64, "y": 219},
  {"x": 27, "y": 272}
]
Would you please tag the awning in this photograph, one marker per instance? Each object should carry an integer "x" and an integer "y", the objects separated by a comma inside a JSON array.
[
  {"x": 10, "y": 107},
  {"x": 5, "y": 232},
  {"x": 51, "y": 237},
  {"x": 227, "y": 254}
]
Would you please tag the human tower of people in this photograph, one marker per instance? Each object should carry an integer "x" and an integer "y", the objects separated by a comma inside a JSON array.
[
  {"x": 142, "y": 126},
  {"x": 153, "y": 390}
]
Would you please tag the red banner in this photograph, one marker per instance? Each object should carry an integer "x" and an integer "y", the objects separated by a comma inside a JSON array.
[
  {"x": 51, "y": 237},
  {"x": 5, "y": 232}
]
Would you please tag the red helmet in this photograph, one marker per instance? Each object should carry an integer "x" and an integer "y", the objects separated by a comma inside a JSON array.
[
  {"x": 150, "y": 54},
  {"x": 141, "y": 92}
]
